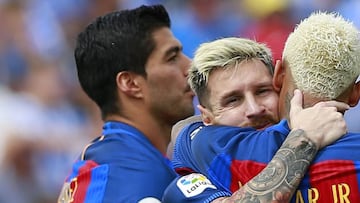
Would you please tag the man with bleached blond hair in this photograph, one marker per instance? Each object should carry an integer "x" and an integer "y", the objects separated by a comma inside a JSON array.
[{"x": 322, "y": 59}]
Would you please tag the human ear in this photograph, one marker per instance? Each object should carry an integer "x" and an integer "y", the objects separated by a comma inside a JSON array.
[
  {"x": 129, "y": 84},
  {"x": 206, "y": 115},
  {"x": 354, "y": 95},
  {"x": 279, "y": 75}
]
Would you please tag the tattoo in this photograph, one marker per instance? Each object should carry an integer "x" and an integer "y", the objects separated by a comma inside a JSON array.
[{"x": 279, "y": 180}]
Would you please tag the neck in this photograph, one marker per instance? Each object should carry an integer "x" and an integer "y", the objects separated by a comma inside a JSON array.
[{"x": 156, "y": 131}]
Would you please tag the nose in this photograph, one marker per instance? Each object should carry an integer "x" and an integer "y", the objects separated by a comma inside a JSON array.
[
  {"x": 253, "y": 108},
  {"x": 186, "y": 64}
]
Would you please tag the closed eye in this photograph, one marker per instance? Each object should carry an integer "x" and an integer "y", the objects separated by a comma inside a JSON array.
[
  {"x": 173, "y": 54},
  {"x": 173, "y": 58},
  {"x": 233, "y": 100},
  {"x": 264, "y": 91}
]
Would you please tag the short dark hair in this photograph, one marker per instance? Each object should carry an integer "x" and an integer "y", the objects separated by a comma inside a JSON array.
[{"x": 118, "y": 41}]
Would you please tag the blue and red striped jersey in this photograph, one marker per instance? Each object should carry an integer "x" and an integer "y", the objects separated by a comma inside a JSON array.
[
  {"x": 120, "y": 166},
  {"x": 230, "y": 156}
]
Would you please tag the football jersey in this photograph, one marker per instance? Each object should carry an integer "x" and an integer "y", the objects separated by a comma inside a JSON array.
[
  {"x": 193, "y": 187},
  {"x": 230, "y": 156},
  {"x": 120, "y": 166}
]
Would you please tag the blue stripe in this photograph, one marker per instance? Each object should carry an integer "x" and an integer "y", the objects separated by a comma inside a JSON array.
[
  {"x": 96, "y": 190},
  {"x": 220, "y": 167},
  {"x": 75, "y": 171},
  {"x": 357, "y": 168}
]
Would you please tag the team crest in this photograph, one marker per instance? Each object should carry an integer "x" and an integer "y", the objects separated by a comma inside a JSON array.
[{"x": 68, "y": 191}]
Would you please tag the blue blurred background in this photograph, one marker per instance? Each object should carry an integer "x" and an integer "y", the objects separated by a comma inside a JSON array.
[{"x": 45, "y": 118}]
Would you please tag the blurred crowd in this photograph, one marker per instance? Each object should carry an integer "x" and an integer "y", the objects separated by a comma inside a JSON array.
[{"x": 46, "y": 119}]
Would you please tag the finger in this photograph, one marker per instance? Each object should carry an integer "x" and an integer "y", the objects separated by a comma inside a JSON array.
[
  {"x": 296, "y": 102},
  {"x": 277, "y": 62},
  {"x": 340, "y": 106}
]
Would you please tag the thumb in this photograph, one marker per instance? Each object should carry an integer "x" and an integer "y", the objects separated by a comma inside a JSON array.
[{"x": 296, "y": 103}]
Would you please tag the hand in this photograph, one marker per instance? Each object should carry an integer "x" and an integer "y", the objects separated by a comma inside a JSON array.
[{"x": 323, "y": 122}]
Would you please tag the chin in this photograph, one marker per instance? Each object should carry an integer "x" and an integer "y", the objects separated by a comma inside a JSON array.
[{"x": 264, "y": 126}]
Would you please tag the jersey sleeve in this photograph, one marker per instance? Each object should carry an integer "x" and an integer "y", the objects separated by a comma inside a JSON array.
[
  {"x": 114, "y": 171},
  {"x": 192, "y": 188},
  {"x": 231, "y": 156},
  {"x": 86, "y": 183}
]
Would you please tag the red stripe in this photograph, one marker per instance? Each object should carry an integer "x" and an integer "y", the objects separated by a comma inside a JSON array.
[
  {"x": 335, "y": 181},
  {"x": 330, "y": 181},
  {"x": 184, "y": 171},
  {"x": 81, "y": 183},
  {"x": 242, "y": 172}
]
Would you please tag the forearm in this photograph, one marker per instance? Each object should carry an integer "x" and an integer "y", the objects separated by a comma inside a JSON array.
[{"x": 280, "y": 178}]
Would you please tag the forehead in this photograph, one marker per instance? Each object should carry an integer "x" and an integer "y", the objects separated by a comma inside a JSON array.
[
  {"x": 236, "y": 80},
  {"x": 165, "y": 42},
  {"x": 248, "y": 72}
]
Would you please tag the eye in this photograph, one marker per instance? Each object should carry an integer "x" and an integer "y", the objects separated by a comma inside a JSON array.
[
  {"x": 173, "y": 58},
  {"x": 232, "y": 100},
  {"x": 264, "y": 91},
  {"x": 173, "y": 54}
]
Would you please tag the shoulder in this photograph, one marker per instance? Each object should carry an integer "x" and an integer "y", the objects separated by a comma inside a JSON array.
[
  {"x": 182, "y": 129},
  {"x": 345, "y": 148},
  {"x": 120, "y": 147},
  {"x": 282, "y": 127},
  {"x": 194, "y": 188},
  {"x": 179, "y": 126},
  {"x": 82, "y": 179},
  {"x": 101, "y": 182}
]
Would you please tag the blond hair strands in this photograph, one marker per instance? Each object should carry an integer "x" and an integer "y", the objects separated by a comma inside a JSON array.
[
  {"x": 323, "y": 54},
  {"x": 224, "y": 53}
]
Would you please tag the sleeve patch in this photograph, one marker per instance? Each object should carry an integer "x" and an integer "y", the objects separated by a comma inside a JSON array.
[
  {"x": 193, "y": 184},
  {"x": 149, "y": 200}
]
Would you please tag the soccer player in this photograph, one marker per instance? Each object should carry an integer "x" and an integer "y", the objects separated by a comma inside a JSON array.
[
  {"x": 321, "y": 57},
  {"x": 130, "y": 64}
]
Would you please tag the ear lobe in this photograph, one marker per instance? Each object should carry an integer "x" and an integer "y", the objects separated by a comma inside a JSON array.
[
  {"x": 355, "y": 95},
  {"x": 279, "y": 75},
  {"x": 206, "y": 115},
  {"x": 129, "y": 84}
]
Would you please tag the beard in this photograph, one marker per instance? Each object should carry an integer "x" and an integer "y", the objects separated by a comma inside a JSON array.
[{"x": 261, "y": 122}]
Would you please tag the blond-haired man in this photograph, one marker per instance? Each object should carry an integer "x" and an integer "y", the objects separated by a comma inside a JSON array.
[{"x": 323, "y": 52}]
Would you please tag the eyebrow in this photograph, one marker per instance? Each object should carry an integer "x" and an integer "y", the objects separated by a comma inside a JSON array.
[
  {"x": 257, "y": 86},
  {"x": 171, "y": 50}
]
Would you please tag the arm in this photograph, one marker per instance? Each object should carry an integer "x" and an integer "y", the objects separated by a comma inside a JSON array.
[
  {"x": 280, "y": 178},
  {"x": 322, "y": 125}
]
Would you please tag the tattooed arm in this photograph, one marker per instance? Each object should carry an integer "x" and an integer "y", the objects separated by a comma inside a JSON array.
[
  {"x": 313, "y": 128},
  {"x": 279, "y": 180}
]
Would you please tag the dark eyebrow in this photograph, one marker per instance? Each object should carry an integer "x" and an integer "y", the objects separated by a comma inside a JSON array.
[{"x": 172, "y": 50}]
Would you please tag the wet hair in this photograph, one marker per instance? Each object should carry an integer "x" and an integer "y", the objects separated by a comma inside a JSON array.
[
  {"x": 323, "y": 54},
  {"x": 118, "y": 41}
]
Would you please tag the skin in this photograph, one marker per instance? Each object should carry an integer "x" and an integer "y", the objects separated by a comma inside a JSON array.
[
  {"x": 154, "y": 103},
  {"x": 167, "y": 70},
  {"x": 278, "y": 181},
  {"x": 248, "y": 100},
  {"x": 295, "y": 155},
  {"x": 285, "y": 85}
]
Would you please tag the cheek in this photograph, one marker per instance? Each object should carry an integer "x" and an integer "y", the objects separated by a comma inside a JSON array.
[
  {"x": 163, "y": 84},
  {"x": 272, "y": 105},
  {"x": 233, "y": 117}
]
